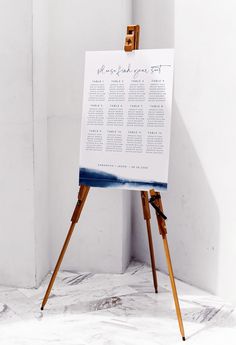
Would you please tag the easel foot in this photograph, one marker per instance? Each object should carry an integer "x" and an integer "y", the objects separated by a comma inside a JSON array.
[
  {"x": 157, "y": 204},
  {"x": 156, "y": 291},
  {"x": 41, "y": 308}
]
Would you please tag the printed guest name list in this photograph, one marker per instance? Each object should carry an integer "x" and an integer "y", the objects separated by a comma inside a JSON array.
[{"x": 126, "y": 119}]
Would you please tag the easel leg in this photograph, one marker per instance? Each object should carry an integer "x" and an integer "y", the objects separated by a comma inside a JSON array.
[
  {"x": 173, "y": 286},
  {"x": 163, "y": 232},
  {"x": 147, "y": 217},
  {"x": 83, "y": 192}
]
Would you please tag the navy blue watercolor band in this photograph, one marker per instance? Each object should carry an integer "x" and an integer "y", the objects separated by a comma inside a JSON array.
[{"x": 95, "y": 178}]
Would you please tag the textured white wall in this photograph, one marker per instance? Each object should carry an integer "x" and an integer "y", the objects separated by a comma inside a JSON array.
[
  {"x": 201, "y": 196},
  {"x": 40, "y": 143},
  {"x": 16, "y": 144},
  {"x": 101, "y": 241},
  {"x": 205, "y": 110},
  {"x": 35, "y": 83},
  {"x": 23, "y": 259}
]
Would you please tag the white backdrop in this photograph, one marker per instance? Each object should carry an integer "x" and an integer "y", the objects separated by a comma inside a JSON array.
[
  {"x": 41, "y": 65},
  {"x": 101, "y": 241},
  {"x": 24, "y": 238},
  {"x": 201, "y": 198}
]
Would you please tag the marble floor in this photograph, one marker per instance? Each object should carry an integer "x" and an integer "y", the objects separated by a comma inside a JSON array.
[{"x": 113, "y": 309}]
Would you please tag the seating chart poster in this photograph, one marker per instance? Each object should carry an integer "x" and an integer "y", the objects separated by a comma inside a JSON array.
[{"x": 126, "y": 118}]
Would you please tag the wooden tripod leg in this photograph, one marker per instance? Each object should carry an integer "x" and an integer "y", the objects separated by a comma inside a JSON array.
[
  {"x": 147, "y": 217},
  {"x": 173, "y": 286},
  {"x": 163, "y": 231},
  {"x": 83, "y": 192}
]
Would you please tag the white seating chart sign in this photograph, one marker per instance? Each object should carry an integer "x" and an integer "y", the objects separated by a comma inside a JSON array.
[{"x": 125, "y": 131}]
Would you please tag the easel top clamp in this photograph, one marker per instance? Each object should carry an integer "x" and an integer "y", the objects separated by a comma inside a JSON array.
[
  {"x": 132, "y": 38},
  {"x": 131, "y": 43}
]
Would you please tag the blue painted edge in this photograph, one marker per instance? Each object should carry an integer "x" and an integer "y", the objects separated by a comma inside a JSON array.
[{"x": 95, "y": 178}]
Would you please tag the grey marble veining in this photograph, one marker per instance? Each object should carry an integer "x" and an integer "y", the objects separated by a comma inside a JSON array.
[{"x": 112, "y": 309}]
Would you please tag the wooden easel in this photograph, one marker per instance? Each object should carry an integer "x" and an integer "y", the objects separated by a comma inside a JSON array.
[{"x": 131, "y": 43}]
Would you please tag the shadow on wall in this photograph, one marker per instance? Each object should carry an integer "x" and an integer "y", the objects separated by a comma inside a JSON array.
[{"x": 193, "y": 217}]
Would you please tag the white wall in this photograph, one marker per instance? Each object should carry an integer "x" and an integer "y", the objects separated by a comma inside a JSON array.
[
  {"x": 40, "y": 107},
  {"x": 205, "y": 100},
  {"x": 101, "y": 241},
  {"x": 22, "y": 150},
  {"x": 40, "y": 144},
  {"x": 201, "y": 196}
]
